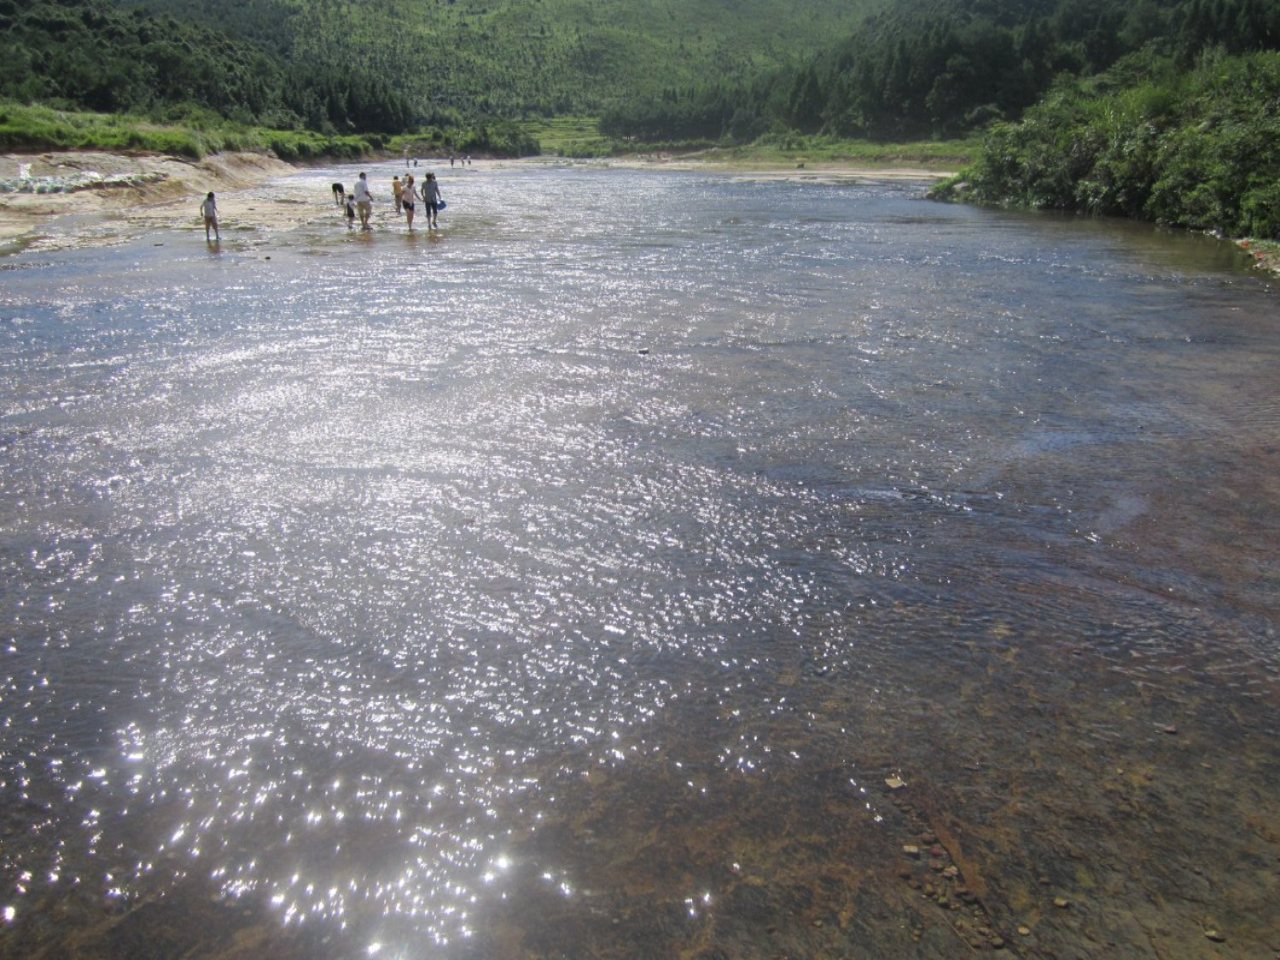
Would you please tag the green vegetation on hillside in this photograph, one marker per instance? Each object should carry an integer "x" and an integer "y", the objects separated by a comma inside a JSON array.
[
  {"x": 1198, "y": 148},
  {"x": 938, "y": 68},
  {"x": 86, "y": 54},
  {"x": 462, "y": 60},
  {"x": 451, "y": 70},
  {"x": 1162, "y": 109},
  {"x": 44, "y": 128}
]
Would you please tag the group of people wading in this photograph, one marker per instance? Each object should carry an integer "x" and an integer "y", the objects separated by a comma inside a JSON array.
[{"x": 359, "y": 202}]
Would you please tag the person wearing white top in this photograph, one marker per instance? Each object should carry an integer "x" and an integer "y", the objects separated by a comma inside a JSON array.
[
  {"x": 431, "y": 199},
  {"x": 407, "y": 197},
  {"x": 209, "y": 210},
  {"x": 364, "y": 201}
]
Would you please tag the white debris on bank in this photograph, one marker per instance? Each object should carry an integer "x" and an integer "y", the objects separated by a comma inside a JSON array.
[{"x": 70, "y": 183}]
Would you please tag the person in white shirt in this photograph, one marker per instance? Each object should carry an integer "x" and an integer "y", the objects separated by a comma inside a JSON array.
[
  {"x": 431, "y": 199},
  {"x": 407, "y": 198},
  {"x": 364, "y": 201},
  {"x": 209, "y": 210}
]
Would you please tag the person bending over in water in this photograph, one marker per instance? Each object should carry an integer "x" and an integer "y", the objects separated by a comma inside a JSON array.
[
  {"x": 209, "y": 210},
  {"x": 338, "y": 194}
]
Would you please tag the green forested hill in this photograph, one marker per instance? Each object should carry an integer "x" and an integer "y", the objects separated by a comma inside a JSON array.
[
  {"x": 519, "y": 58},
  {"x": 922, "y": 68},
  {"x": 389, "y": 66}
]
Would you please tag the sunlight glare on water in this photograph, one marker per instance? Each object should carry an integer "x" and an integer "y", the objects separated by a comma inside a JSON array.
[{"x": 334, "y": 577}]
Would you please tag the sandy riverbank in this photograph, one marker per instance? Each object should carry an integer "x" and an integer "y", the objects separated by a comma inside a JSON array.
[{"x": 107, "y": 185}]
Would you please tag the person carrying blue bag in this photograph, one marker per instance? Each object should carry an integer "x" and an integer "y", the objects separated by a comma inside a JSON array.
[{"x": 431, "y": 197}]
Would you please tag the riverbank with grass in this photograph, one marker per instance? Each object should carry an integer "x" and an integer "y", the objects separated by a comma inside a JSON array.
[
  {"x": 1265, "y": 253},
  {"x": 932, "y": 156},
  {"x": 32, "y": 129},
  {"x": 581, "y": 138}
]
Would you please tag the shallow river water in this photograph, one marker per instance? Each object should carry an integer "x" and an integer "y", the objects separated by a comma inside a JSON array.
[{"x": 646, "y": 565}]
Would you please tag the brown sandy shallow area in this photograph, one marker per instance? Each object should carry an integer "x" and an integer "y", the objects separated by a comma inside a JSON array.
[
  {"x": 150, "y": 186},
  {"x": 824, "y": 172},
  {"x": 142, "y": 191},
  {"x": 1265, "y": 256}
]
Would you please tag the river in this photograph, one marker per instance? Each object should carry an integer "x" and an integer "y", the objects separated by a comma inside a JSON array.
[{"x": 645, "y": 564}]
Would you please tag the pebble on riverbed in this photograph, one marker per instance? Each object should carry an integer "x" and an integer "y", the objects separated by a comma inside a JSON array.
[{"x": 929, "y": 870}]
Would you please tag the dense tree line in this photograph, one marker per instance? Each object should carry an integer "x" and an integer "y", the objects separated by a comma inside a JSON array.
[
  {"x": 87, "y": 54},
  {"x": 945, "y": 67}
]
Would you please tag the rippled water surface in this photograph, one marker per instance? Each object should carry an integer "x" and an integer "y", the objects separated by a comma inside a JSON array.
[{"x": 645, "y": 565}]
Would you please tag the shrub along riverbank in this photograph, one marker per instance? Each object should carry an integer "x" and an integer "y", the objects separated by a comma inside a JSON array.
[
  {"x": 1197, "y": 148},
  {"x": 197, "y": 133}
]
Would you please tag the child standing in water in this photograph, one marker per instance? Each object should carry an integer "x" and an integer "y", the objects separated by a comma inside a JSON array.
[
  {"x": 351, "y": 211},
  {"x": 407, "y": 197},
  {"x": 209, "y": 210}
]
